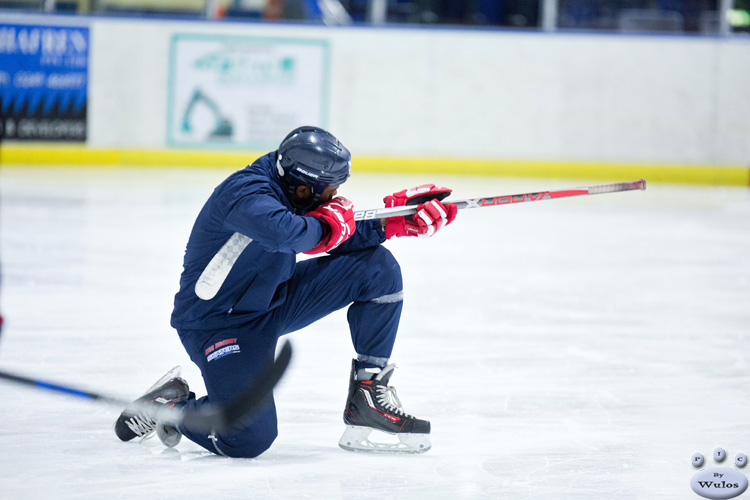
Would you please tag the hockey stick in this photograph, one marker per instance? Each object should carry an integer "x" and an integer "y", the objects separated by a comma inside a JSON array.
[
  {"x": 217, "y": 270},
  {"x": 214, "y": 417},
  {"x": 490, "y": 201}
]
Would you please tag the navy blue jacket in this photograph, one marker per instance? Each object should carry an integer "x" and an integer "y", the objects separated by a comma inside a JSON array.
[{"x": 251, "y": 201}]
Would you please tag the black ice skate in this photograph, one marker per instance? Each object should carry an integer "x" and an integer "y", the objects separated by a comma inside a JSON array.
[
  {"x": 140, "y": 418},
  {"x": 372, "y": 405}
]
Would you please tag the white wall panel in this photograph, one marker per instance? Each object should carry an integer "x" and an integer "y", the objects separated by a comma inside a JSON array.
[{"x": 467, "y": 93}]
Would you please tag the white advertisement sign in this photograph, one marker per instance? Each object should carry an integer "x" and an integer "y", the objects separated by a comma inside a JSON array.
[{"x": 244, "y": 92}]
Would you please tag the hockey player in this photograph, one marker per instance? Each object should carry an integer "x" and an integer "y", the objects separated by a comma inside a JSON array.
[{"x": 242, "y": 288}]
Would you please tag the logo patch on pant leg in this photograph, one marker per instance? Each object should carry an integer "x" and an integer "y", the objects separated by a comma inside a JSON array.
[{"x": 221, "y": 349}]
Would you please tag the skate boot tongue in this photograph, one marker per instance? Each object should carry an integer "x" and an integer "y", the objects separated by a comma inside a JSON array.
[
  {"x": 385, "y": 374},
  {"x": 380, "y": 374}
]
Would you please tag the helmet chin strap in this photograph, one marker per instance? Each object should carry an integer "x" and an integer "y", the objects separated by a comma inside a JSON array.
[{"x": 300, "y": 204}]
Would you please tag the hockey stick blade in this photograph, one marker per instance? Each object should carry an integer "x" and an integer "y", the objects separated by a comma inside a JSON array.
[
  {"x": 490, "y": 201},
  {"x": 218, "y": 418}
]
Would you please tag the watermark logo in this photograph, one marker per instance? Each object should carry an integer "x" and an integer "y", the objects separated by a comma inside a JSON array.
[{"x": 719, "y": 482}]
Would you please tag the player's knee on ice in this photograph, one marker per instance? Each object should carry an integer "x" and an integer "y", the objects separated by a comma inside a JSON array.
[{"x": 246, "y": 445}]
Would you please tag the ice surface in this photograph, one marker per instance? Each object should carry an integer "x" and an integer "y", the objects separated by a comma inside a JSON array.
[{"x": 582, "y": 348}]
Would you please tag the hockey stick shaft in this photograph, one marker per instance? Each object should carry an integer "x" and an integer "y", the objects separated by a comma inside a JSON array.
[
  {"x": 218, "y": 268},
  {"x": 71, "y": 391},
  {"x": 208, "y": 418},
  {"x": 490, "y": 201}
]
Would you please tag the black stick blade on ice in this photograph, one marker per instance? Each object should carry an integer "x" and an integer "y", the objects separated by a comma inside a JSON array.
[{"x": 223, "y": 417}]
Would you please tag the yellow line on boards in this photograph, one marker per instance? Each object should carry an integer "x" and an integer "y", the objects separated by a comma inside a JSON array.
[
  {"x": 76, "y": 156},
  {"x": 686, "y": 174}
]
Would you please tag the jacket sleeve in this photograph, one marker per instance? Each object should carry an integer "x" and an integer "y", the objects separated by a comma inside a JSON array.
[
  {"x": 369, "y": 234},
  {"x": 259, "y": 214}
]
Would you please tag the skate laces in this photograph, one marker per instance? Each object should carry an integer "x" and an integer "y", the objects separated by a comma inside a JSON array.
[
  {"x": 387, "y": 395},
  {"x": 144, "y": 425},
  {"x": 388, "y": 398},
  {"x": 141, "y": 425}
]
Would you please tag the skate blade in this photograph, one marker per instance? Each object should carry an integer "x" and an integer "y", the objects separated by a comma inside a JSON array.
[
  {"x": 357, "y": 438},
  {"x": 169, "y": 436},
  {"x": 173, "y": 373}
]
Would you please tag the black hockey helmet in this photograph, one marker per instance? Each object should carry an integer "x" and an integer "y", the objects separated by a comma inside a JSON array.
[{"x": 310, "y": 155}]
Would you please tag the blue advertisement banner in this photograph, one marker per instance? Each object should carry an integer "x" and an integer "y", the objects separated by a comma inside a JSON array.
[{"x": 43, "y": 82}]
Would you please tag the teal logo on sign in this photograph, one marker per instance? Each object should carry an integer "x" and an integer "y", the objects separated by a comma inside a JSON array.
[
  {"x": 719, "y": 482},
  {"x": 248, "y": 66}
]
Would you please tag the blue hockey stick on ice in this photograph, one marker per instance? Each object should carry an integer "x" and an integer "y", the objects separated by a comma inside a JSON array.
[{"x": 218, "y": 418}]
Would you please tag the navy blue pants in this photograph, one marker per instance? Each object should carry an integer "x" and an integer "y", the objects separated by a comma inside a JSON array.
[{"x": 229, "y": 359}]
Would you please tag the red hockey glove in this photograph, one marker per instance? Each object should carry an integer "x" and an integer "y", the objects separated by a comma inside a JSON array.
[
  {"x": 431, "y": 215},
  {"x": 338, "y": 224},
  {"x": 416, "y": 195}
]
